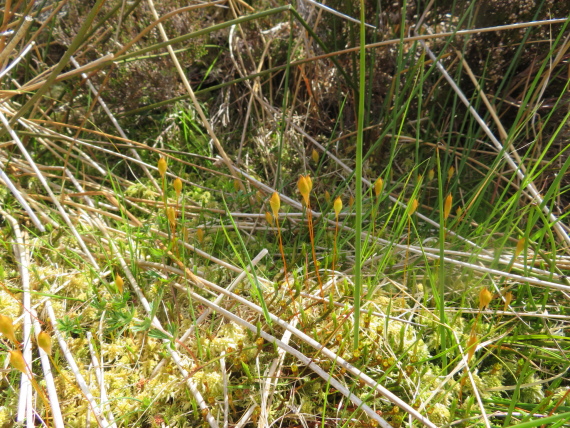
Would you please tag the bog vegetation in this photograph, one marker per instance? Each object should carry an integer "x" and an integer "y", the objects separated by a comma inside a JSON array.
[{"x": 234, "y": 213}]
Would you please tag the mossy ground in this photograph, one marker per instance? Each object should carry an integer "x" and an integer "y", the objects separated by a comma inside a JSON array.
[{"x": 420, "y": 315}]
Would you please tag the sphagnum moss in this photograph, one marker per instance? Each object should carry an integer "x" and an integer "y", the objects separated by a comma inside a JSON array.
[{"x": 411, "y": 115}]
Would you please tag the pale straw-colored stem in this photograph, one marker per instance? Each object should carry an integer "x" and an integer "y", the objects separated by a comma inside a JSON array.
[
  {"x": 18, "y": 195},
  {"x": 17, "y": 59},
  {"x": 25, "y": 409},
  {"x": 15, "y": 39},
  {"x": 100, "y": 375},
  {"x": 56, "y": 415},
  {"x": 93, "y": 405}
]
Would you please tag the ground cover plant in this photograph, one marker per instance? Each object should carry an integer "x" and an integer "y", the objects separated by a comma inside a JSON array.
[{"x": 238, "y": 214}]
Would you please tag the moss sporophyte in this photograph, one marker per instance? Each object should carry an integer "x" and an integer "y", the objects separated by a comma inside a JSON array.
[{"x": 305, "y": 185}]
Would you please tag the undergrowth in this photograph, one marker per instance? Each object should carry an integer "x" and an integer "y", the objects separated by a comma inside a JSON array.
[{"x": 231, "y": 214}]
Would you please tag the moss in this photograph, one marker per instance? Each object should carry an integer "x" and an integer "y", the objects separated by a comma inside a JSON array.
[
  {"x": 533, "y": 393},
  {"x": 10, "y": 306},
  {"x": 141, "y": 191},
  {"x": 308, "y": 405},
  {"x": 400, "y": 336},
  {"x": 230, "y": 336},
  {"x": 209, "y": 382},
  {"x": 431, "y": 381},
  {"x": 439, "y": 414},
  {"x": 561, "y": 394},
  {"x": 492, "y": 378},
  {"x": 203, "y": 197},
  {"x": 7, "y": 413}
]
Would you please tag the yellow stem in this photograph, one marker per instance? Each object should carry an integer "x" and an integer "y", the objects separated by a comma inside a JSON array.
[
  {"x": 334, "y": 246},
  {"x": 312, "y": 237},
  {"x": 282, "y": 251}
]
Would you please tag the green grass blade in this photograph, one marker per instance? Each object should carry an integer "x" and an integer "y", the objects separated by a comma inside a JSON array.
[{"x": 358, "y": 176}]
